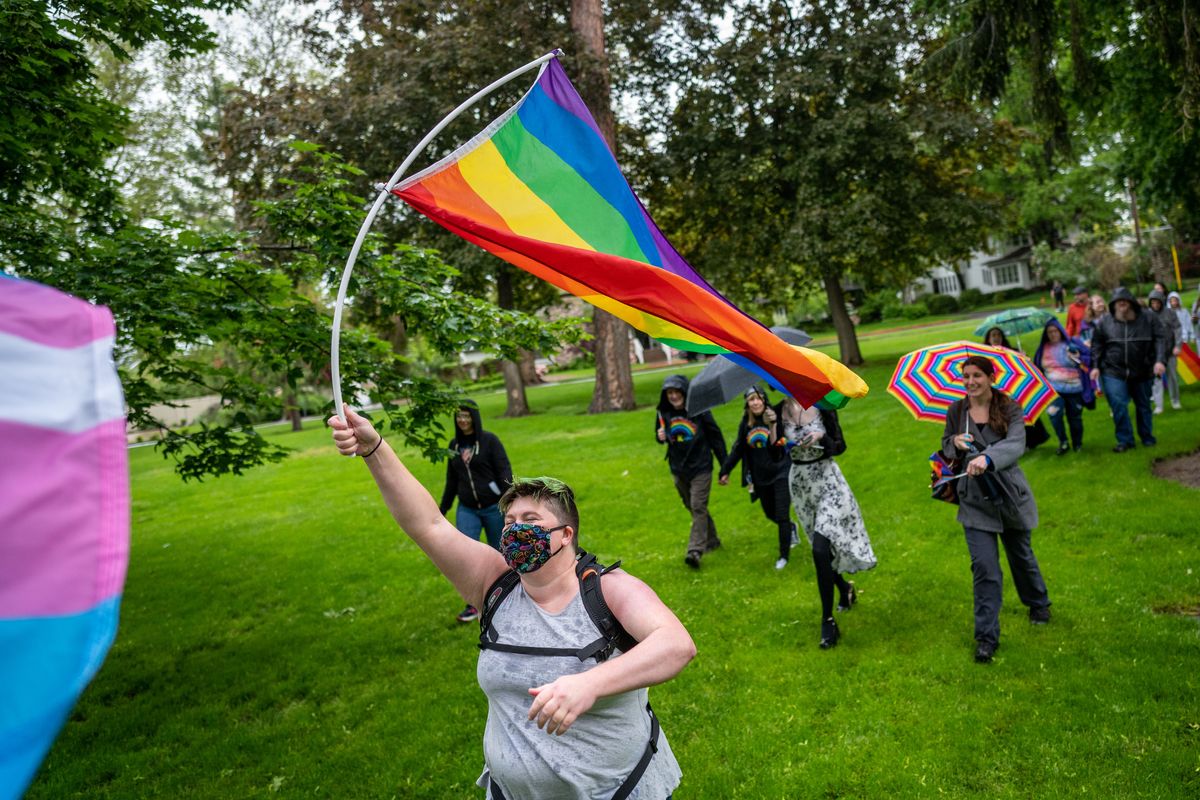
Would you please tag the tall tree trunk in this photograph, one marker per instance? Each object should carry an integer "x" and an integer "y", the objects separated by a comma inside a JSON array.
[
  {"x": 514, "y": 386},
  {"x": 292, "y": 411},
  {"x": 528, "y": 366},
  {"x": 847, "y": 337},
  {"x": 614, "y": 378}
]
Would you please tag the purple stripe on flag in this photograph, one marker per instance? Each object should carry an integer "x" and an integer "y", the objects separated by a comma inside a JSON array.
[
  {"x": 558, "y": 87},
  {"x": 47, "y": 316},
  {"x": 66, "y": 529}
]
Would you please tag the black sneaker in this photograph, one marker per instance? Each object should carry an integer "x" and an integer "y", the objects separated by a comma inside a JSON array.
[
  {"x": 1039, "y": 616},
  {"x": 848, "y": 599},
  {"x": 1121, "y": 448},
  {"x": 692, "y": 560},
  {"x": 984, "y": 652},
  {"x": 1063, "y": 449},
  {"x": 467, "y": 614},
  {"x": 829, "y": 633}
]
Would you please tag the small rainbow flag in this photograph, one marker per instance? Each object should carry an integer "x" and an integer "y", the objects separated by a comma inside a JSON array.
[
  {"x": 539, "y": 188},
  {"x": 1188, "y": 364}
]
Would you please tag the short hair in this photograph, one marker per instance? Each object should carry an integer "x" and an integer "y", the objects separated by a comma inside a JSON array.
[{"x": 551, "y": 492}]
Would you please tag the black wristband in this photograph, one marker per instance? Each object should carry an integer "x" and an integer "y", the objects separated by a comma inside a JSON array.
[{"x": 373, "y": 449}]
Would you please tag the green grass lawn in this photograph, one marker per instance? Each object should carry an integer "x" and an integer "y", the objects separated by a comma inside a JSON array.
[{"x": 281, "y": 637}]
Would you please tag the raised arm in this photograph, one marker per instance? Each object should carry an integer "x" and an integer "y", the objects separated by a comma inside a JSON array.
[
  {"x": 470, "y": 565},
  {"x": 664, "y": 648}
]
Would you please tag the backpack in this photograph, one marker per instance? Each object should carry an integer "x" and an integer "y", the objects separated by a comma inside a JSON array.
[
  {"x": 612, "y": 637},
  {"x": 588, "y": 570}
]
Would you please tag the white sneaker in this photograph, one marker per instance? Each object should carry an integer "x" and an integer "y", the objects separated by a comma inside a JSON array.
[
  {"x": 1176, "y": 406},
  {"x": 781, "y": 563}
]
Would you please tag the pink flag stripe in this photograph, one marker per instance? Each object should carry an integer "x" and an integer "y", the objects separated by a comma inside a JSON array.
[
  {"x": 65, "y": 517},
  {"x": 45, "y": 315},
  {"x": 65, "y": 389}
]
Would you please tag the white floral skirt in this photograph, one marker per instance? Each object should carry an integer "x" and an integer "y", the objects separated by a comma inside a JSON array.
[{"x": 825, "y": 505}]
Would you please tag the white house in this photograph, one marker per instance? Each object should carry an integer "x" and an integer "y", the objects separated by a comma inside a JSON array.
[{"x": 1005, "y": 266}]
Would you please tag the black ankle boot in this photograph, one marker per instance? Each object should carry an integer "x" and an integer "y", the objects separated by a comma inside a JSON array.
[
  {"x": 829, "y": 633},
  {"x": 848, "y": 598}
]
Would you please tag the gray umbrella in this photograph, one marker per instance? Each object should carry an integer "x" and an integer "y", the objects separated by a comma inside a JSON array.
[{"x": 722, "y": 380}]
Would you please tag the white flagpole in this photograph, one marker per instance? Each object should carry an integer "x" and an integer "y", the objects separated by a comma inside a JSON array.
[{"x": 335, "y": 366}]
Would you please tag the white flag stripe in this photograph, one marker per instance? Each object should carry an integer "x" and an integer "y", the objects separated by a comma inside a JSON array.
[{"x": 40, "y": 385}]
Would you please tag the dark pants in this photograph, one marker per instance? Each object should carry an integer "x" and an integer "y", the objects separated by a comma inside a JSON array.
[
  {"x": 989, "y": 578},
  {"x": 1069, "y": 405},
  {"x": 694, "y": 494},
  {"x": 776, "y": 500},
  {"x": 473, "y": 520},
  {"x": 1119, "y": 393},
  {"x": 822, "y": 552}
]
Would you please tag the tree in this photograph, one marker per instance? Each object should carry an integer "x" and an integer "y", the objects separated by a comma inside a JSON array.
[
  {"x": 805, "y": 149},
  {"x": 180, "y": 294},
  {"x": 614, "y": 379},
  {"x": 1118, "y": 82}
]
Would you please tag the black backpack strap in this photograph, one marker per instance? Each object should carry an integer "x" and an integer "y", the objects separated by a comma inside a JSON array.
[
  {"x": 626, "y": 788},
  {"x": 613, "y": 634},
  {"x": 647, "y": 754},
  {"x": 492, "y": 599}
]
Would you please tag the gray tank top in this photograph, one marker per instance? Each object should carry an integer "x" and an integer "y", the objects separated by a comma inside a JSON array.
[{"x": 592, "y": 759}]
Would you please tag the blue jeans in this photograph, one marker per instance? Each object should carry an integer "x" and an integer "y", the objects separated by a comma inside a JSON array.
[
  {"x": 1118, "y": 393},
  {"x": 471, "y": 521},
  {"x": 1070, "y": 405}
]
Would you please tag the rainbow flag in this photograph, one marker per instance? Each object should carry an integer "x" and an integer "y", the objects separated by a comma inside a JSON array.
[
  {"x": 64, "y": 514},
  {"x": 540, "y": 189},
  {"x": 1188, "y": 364}
]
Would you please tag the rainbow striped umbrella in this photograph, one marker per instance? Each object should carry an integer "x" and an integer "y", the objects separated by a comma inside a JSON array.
[{"x": 929, "y": 380}]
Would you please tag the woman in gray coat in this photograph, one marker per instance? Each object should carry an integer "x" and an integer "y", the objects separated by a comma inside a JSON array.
[{"x": 987, "y": 431}]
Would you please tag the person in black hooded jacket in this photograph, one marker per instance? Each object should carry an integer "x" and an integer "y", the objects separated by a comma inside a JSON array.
[
  {"x": 691, "y": 444},
  {"x": 1129, "y": 350},
  {"x": 763, "y": 469},
  {"x": 477, "y": 474}
]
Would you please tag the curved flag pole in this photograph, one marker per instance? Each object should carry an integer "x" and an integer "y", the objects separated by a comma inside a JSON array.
[{"x": 383, "y": 194}]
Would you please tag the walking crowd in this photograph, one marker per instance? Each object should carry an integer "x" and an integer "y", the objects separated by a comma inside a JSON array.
[{"x": 570, "y": 646}]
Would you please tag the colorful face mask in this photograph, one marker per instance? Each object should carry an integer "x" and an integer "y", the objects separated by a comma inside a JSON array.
[{"x": 526, "y": 546}]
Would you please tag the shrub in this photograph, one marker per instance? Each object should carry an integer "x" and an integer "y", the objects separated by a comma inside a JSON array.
[
  {"x": 942, "y": 304},
  {"x": 915, "y": 311},
  {"x": 970, "y": 298},
  {"x": 997, "y": 297}
]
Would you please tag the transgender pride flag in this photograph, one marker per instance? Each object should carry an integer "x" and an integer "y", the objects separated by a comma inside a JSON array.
[{"x": 64, "y": 514}]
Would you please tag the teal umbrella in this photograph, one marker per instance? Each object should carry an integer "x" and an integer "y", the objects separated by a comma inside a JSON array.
[{"x": 1015, "y": 321}]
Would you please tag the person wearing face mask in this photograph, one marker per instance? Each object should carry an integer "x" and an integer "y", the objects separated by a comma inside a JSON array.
[
  {"x": 985, "y": 430},
  {"x": 477, "y": 473},
  {"x": 763, "y": 471},
  {"x": 536, "y": 664},
  {"x": 1129, "y": 350},
  {"x": 692, "y": 441}
]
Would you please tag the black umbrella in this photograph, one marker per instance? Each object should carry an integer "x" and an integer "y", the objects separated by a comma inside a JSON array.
[{"x": 722, "y": 380}]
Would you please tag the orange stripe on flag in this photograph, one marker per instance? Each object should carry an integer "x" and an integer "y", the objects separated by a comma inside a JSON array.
[{"x": 1188, "y": 365}]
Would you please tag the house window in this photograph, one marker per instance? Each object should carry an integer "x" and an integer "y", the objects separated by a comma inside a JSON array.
[
  {"x": 946, "y": 285},
  {"x": 987, "y": 278},
  {"x": 1007, "y": 274}
]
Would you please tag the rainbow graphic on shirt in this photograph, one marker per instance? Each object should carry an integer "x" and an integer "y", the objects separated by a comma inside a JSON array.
[
  {"x": 682, "y": 429},
  {"x": 758, "y": 437}
]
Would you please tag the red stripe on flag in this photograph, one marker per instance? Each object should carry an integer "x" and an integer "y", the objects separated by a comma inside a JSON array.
[
  {"x": 648, "y": 289},
  {"x": 1188, "y": 364}
]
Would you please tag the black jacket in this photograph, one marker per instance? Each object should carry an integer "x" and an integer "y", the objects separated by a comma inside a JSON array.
[
  {"x": 479, "y": 481},
  {"x": 1129, "y": 350},
  {"x": 691, "y": 441},
  {"x": 757, "y": 447}
]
